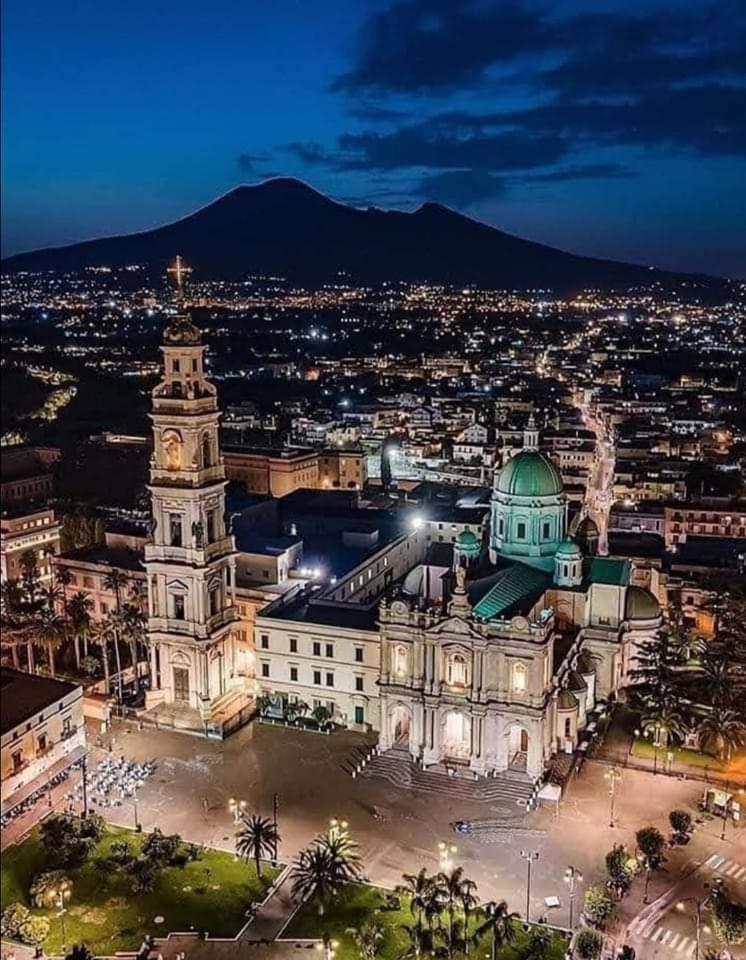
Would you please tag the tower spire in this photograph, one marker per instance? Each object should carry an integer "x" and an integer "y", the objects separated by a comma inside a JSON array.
[
  {"x": 177, "y": 275},
  {"x": 531, "y": 434}
]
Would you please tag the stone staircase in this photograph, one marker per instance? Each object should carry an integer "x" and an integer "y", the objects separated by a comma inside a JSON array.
[{"x": 509, "y": 788}]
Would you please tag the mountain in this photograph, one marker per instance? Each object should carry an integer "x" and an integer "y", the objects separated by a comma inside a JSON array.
[{"x": 286, "y": 228}]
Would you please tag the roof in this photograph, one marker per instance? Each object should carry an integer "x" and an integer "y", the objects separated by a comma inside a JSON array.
[
  {"x": 568, "y": 548},
  {"x": 467, "y": 539},
  {"x": 105, "y": 555},
  {"x": 604, "y": 570},
  {"x": 529, "y": 474},
  {"x": 26, "y": 694},
  {"x": 641, "y": 605},
  {"x": 517, "y": 589}
]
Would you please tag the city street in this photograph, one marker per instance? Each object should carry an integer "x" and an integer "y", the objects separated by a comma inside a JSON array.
[{"x": 195, "y": 780}]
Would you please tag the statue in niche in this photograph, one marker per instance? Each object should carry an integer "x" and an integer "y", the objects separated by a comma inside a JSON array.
[
  {"x": 198, "y": 532},
  {"x": 172, "y": 449},
  {"x": 461, "y": 578}
]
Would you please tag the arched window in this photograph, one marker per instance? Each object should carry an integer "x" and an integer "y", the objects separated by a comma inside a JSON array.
[
  {"x": 400, "y": 661},
  {"x": 568, "y": 728},
  {"x": 206, "y": 451},
  {"x": 457, "y": 670},
  {"x": 519, "y": 678}
]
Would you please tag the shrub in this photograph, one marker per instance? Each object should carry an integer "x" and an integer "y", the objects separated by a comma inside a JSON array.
[
  {"x": 120, "y": 853},
  {"x": 90, "y": 666},
  {"x": 34, "y": 930},
  {"x": 44, "y": 890},
  {"x": 598, "y": 905},
  {"x": 160, "y": 848},
  {"x": 12, "y": 919},
  {"x": 728, "y": 918},
  {"x": 69, "y": 840},
  {"x": 588, "y": 944},
  {"x": 620, "y": 875}
]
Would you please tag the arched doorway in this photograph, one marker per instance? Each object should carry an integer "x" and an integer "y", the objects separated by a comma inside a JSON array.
[
  {"x": 519, "y": 742},
  {"x": 456, "y": 736},
  {"x": 400, "y": 723}
]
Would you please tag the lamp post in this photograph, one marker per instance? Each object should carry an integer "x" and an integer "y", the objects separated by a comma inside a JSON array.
[
  {"x": 529, "y": 856},
  {"x": 138, "y": 827},
  {"x": 275, "y": 807},
  {"x": 237, "y": 809},
  {"x": 445, "y": 853},
  {"x": 572, "y": 876},
  {"x": 491, "y": 908},
  {"x": 62, "y": 893},
  {"x": 725, "y": 807},
  {"x": 613, "y": 776},
  {"x": 338, "y": 828}
]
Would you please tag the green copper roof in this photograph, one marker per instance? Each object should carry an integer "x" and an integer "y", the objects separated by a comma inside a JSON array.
[
  {"x": 529, "y": 474},
  {"x": 467, "y": 539},
  {"x": 516, "y": 591},
  {"x": 614, "y": 573},
  {"x": 568, "y": 548}
]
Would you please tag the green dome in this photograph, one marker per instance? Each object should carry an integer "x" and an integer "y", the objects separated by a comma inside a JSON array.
[
  {"x": 567, "y": 701},
  {"x": 641, "y": 605},
  {"x": 467, "y": 539},
  {"x": 568, "y": 548},
  {"x": 529, "y": 474}
]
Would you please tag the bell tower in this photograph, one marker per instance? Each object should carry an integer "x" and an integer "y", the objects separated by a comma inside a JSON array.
[{"x": 190, "y": 557}]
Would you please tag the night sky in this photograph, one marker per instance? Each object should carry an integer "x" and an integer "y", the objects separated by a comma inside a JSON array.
[{"x": 614, "y": 129}]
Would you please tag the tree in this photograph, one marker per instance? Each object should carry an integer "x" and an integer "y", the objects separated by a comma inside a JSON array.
[
  {"x": 367, "y": 939},
  {"x": 681, "y": 824},
  {"x": 588, "y": 944},
  {"x": 343, "y": 856},
  {"x": 665, "y": 721},
  {"x": 34, "y": 930},
  {"x": 721, "y": 732},
  {"x": 598, "y": 905},
  {"x": 313, "y": 877},
  {"x": 101, "y": 635},
  {"x": 420, "y": 889},
  {"x": 79, "y": 609},
  {"x": 62, "y": 580},
  {"x": 160, "y": 848},
  {"x": 12, "y": 919},
  {"x": 617, "y": 867},
  {"x": 45, "y": 888},
  {"x": 499, "y": 922},
  {"x": 49, "y": 627},
  {"x": 133, "y": 625},
  {"x": 728, "y": 917},
  {"x": 116, "y": 581},
  {"x": 64, "y": 841},
  {"x": 257, "y": 837},
  {"x": 455, "y": 889},
  {"x": 650, "y": 843},
  {"x": 322, "y": 715},
  {"x": 420, "y": 942},
  {"x": 540, "y": 943}
]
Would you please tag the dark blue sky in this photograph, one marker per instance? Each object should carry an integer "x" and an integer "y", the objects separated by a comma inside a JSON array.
[{"x": 610, "y": 128}]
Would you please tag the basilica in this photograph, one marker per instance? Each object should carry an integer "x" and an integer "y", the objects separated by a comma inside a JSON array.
[{"x": 499, "y": 666}]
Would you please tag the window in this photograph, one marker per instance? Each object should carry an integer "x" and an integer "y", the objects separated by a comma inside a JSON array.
[
  {"x": 330, "y": 650},
  {"x": 176, "y": 366},
  {"x": 214, "y": 597},
  {"x": 194, "y": 365},
  {"x": 316, "y": 648},
  {"x": 359, "y": 684},
  {"x": 17, "y": 758},
  {"x": 175, "y": 530},
  {"x": 41, "y": 743},
  {"x": 317, "y": 677},
  {"x": 294, "y": 674},
  {"x": 521, "y": 530},
  {"x": 520, "y": 677},
  {"x": 457, "y": 670},
  {"x": 330, "y": 679},
  {"x": 211, "y": 527},
  {"x": 400, "y": 661},
  {"x": 546, "y": 530},
  {"x": 179, "y": 607},
  {"x": 293, "y": 644},
  {"x": 568, "y": 728},
  {"x": 265, "y": 669},
  {"x": 359, "y": 715},
  {"x": 264, "y": 641},
  {"x": 359, "y": 654}
]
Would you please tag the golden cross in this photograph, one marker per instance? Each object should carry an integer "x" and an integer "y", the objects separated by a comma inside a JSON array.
[{"x": 179, "y": 271}]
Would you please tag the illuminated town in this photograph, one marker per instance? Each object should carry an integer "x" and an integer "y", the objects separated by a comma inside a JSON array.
[{"x": 377, "y": 611}]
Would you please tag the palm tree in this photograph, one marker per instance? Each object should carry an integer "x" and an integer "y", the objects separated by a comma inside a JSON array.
[
  {"x": 313, "y": 877},
  {"x": 257, "y": 837},
  {"x": 62, "y": 580},
  {"x": 101, "y": 635},
  {"x": 368, "y": 939},
  {"x": 79, "y": 609},
  {"x": 133, "y": 622},
  {"x": 419, "y": 887},
  {"x": 665, "y": 721},
  {"x": 421, "y": 942},
  {"x": 455, "y": 887},
  {"x": 11, "y": 619},
  {"x": 343, "y": 855},
  {"x": 500, "y": 922},
  {"x": 717, "y": 668},
  {"x": 721, "y": 732},
  {"x": 49, "y": 627},
  {"x": 116, "y": 581}
]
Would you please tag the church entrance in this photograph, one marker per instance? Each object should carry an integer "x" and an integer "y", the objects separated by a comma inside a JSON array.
[
  {"x": 400, "y": 724},
  {"x": 181, "y": 684},
  {"x": 456, "y": 736},
  {"x": 518, "y": 747}
]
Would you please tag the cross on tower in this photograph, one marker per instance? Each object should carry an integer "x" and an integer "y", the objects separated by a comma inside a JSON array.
[{"x": 178, "y": 273}]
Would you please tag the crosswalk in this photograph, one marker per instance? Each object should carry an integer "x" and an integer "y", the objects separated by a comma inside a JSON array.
[{"x": 728, "y": 869}]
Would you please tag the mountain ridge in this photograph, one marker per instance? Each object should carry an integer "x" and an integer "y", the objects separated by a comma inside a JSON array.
[{"x": 284, "y": 226}]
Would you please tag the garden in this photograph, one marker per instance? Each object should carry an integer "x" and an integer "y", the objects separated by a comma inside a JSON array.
[{"x": 79, "y": 881}]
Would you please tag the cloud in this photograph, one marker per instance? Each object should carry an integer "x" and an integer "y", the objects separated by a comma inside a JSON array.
[
  {"x": 588, "y": 171},
  {"x": 245, "y": 163}
]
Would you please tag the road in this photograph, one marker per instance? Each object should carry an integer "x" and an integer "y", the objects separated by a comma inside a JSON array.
[{"x": 599, "y": 496}]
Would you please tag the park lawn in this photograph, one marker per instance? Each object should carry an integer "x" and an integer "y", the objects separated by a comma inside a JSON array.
[
  {"x": 359, "y": 903},
  {"x": 645, "y": 749},
  {"x": 210, "y": 894}
]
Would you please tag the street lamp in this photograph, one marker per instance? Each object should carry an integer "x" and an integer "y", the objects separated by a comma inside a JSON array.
[
  {"x": 237, "y": 809},
  {"x": 446, "y": 851},
  {"x": 338, "y": 828},
  {"x": 62, "y": 892},
  {"x": 725, "y": 808},
  {"x": 613, "y": 776},
  {"x": 572, "y": 876},
  {"x": 529, "y": 856}
]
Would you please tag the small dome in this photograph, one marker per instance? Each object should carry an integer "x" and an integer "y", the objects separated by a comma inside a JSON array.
[
  {"x": 467, "y": 539},
  {"x": 568, "y": 548},
  {"x": 576, "y": 683},
  {"x": 567, "y": 701},
  {"x": 585, "y": 665},
  {"x": 641, "y": 605},
  {"x": 529, "y": 474}
]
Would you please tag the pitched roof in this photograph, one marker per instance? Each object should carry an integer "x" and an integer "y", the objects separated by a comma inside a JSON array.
[
  {"x": 606, "y": 571},
  {"x": 516, "y": 591}
]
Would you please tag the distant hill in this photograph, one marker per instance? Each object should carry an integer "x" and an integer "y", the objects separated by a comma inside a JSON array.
[{"x": 286, "y": 228}]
